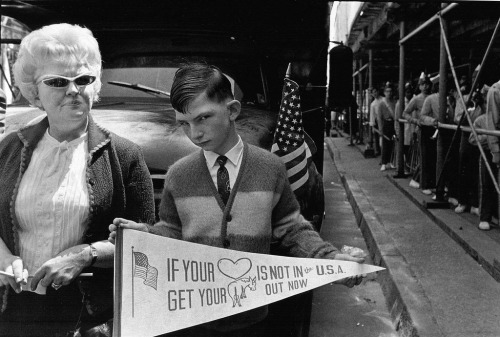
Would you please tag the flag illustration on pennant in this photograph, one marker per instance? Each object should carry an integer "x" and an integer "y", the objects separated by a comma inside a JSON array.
[
  {"x": 143, "y": 270},
  {"x": 289, "y": 142}
]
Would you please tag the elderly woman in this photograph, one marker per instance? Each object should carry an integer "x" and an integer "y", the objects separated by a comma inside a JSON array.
[{"x": 63, "y": 182}]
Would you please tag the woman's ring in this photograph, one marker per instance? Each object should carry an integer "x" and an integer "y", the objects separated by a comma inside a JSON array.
[{"x": 56, "y": 286}]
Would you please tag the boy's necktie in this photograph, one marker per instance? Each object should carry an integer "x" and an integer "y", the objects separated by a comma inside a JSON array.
[{"x": 223, "y": 179}]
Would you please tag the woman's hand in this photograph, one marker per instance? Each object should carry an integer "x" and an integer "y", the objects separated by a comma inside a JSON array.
[
  {"x": 124, "y": 223},
  {"x": 62, "y": 269},
  {"x": 13, "y": 265}
]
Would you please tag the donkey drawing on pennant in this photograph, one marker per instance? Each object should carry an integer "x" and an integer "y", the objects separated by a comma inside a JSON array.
[
  {"x": 237, "y": 271},
  {"x": 236, "y": 289}
]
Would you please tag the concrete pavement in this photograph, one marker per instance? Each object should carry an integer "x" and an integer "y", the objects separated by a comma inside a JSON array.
[
  {"x": 338, "y": 311},
  {"x": 440, "y": 278}
]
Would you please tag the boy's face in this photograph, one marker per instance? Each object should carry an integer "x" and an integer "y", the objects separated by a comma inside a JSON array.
[{"x": 209, "y": 124}]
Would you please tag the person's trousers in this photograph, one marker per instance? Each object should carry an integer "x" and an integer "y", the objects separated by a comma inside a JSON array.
[
  {"x": 59, "y": 313},
  {"x": 428, "y": 158},
  {"x": 468, "y": 167},
  {"x": 450, "y": 173},
  {"x": 376, "y": 141},
  {"x": 387, "y": 141},
  {"x": 488, "y": 205}
]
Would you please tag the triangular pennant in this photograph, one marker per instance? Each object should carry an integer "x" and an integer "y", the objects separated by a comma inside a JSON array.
[{"x": 163, "y": 285}]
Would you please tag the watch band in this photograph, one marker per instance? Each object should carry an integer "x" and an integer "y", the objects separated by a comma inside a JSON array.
[{"x": 93, "y": 252}]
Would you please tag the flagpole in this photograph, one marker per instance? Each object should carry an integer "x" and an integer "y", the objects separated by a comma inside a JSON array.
[
  {"x": 133, "y": 274},
  {"x": 289, "y": 71},
  {"x": 118, "y": 279}
]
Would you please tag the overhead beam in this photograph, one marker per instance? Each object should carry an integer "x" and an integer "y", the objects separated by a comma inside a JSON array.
[{"x": 428, "y": 22}]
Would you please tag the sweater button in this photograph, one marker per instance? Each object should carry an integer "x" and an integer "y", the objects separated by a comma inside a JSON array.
[
  {"x": 229, "y": 218},
  {"x": 226, "y": 243},
  {"x": 91, "y": 182}
]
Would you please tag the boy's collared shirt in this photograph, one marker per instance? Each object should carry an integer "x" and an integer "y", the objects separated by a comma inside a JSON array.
[{"x": 233, "y": 163}]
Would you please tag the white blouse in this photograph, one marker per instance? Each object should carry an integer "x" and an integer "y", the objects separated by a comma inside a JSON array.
[{"x": 52, "y": 205}]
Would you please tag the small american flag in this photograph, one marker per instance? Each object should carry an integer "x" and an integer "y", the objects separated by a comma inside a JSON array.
[
  {"x": 143, "y": 270},
  {"x": 289, "y": 143}
]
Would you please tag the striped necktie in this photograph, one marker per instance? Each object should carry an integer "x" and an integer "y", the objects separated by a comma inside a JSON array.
[{"x": 223, "y": 179}]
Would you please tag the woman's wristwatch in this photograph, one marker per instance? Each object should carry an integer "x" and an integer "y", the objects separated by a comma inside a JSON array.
[{"x": 93, "y": 253}]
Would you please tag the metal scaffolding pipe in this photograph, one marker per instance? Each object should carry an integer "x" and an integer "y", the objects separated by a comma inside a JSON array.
[
  {"x": 401, "y": 129},
  {"x": 428, "y": 22},
  {"x": 360, "y": 69},
  {"x": 441, "y": 149}
]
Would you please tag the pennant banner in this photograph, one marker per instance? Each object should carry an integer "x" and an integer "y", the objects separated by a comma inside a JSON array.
[{"x": 163, "y": 285}]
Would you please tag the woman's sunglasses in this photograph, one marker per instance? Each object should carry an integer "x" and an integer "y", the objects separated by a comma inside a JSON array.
[{"x": 62, "y": 82}]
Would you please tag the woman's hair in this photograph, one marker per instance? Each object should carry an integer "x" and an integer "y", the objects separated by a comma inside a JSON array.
[
  {"x": 57, "y": 43},
  {"x": 195, "y": 78}
]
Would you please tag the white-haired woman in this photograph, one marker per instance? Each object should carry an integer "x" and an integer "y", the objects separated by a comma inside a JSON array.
[{"x": 63, "y": 181}]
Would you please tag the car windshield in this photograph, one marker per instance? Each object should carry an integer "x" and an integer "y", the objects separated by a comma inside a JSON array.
[{"x": 157, "y": 72}]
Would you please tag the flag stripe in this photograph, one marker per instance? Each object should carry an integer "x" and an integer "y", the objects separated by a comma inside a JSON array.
[
  {"x": 297, "y": 168},
  {"x": 300, "y": 182},
  {"x": 290, "y": 156},
  {"x": 297, "y": 176}
]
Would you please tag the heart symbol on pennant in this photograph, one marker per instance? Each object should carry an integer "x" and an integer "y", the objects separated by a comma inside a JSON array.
[{"x": 234, "y": 270}]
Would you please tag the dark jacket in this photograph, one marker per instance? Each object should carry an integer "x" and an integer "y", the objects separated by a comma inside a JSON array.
[{"x": 118, "y": 182}]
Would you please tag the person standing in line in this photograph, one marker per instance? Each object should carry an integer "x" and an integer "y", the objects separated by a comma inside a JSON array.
[
  {"x": 488, "y": 197},
  {"x": 407, "y": 126},
  {"x": 412, "y": 114},
  {"x": 386, "y": 117},
  {"x": 230, "y": 194},
  {"x": 374, "y": 110},
  {"x": 468, "y": 167},
  {"x": 429, "y": 118}
]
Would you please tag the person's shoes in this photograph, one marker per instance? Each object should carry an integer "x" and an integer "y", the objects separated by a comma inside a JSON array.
[
  {"x": 390, "y": 166},
  {"x": 484, "y": 225},
  {"x": 383, "y": 167},
  {"x": 474, "y": 210},
  {"x": 453, "y": 201},
  {"x": 427, "y": 192},
  {"x": 460, "y": 208},
  {"x": 414, "y": 184}
]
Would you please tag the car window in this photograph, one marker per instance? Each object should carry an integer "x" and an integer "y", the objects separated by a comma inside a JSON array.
[{"x": 157, "y": 78}]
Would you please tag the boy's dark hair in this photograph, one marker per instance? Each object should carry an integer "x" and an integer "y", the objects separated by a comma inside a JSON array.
[{"x": 192, "y": 79}]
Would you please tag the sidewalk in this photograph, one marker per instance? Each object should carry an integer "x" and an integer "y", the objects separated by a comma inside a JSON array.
[{"x": 433, "y": 286}]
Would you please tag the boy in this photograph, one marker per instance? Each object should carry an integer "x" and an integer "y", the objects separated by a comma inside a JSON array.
[{"x": 230, "y": 194}]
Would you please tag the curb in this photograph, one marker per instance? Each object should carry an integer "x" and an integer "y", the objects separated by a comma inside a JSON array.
[
  {"x": 398, "y": 280},
  {"x": 477, "y": 252}
]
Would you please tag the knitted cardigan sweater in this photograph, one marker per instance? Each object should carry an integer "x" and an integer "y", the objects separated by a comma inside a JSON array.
[
  {"x": 118, "y": 182},
  {"x": 261, "y": 210}
]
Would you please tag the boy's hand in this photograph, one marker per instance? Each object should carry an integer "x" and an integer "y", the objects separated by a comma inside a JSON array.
[
  {"x": 353, "y": 280},
  {"x": 124, "y": 223}
]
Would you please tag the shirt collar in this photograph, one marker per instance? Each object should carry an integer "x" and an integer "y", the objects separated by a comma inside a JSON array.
[{"x": 232, "y": 155}]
